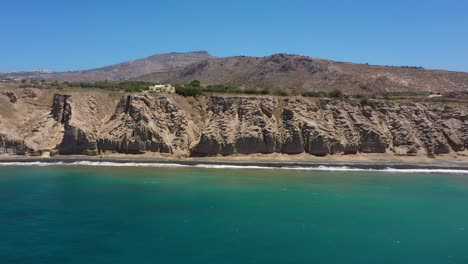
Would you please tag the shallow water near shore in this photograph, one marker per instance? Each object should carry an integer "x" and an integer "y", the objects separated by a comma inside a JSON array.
[{"x": 77, "y": 214}]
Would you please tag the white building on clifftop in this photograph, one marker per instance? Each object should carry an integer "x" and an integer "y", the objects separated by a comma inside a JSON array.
[{"x": 162, "y": 88}]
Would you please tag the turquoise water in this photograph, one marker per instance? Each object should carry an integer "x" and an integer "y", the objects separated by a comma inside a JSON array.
[{"x": 191, "y": 215}]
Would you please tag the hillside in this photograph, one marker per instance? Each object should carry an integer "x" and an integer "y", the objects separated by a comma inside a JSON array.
[
  {"x": 118, "y": 72},
  {"x": 301, "y": 73},
  {"x": 294, "y": 73}
]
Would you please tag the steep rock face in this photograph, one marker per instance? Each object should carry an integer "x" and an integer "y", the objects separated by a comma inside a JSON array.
[
  {"x": 44, "y": 132},
  {"x": 329, "y": 127},
  {"x": 230, "y": 125},
  {"x": 12, "y": 146},
  {"x": 420, "y": 126},
  {"x": 239, "y": 125},
  {"x": 148, "y": 123},
  {"x": 452, "y": 124},
  {"x": 70, "y": 127},
  {"x": 292, "y": 142},
  {"x": 81, "y": 123},
  {"x": 10, "y": 143},
  {"x": 61, "y": 108}
]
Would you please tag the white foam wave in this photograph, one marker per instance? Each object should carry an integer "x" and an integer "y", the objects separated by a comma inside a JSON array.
[
  {"x": 326, "y": 168},
  {"x": 389, "y": 169},
  {"x": 35, "y": 163},
  {"x": 219, "y": 166},
  {"x": 425, "y": 170},
  {"x": 124, "y": 164}
]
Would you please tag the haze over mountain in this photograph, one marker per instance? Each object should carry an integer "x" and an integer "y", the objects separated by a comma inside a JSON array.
[
  {"x": 121, "y": 71},
  {"x": 278, "y": 71}
]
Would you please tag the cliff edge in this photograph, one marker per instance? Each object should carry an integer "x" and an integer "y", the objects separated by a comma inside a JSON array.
[{"x": 98, "y": 124}]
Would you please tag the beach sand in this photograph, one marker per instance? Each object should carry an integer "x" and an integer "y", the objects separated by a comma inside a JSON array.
[{"x": 376, "y": 161}]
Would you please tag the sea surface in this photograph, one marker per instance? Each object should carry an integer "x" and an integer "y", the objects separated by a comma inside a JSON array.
[{"x": 177, "y": 214}]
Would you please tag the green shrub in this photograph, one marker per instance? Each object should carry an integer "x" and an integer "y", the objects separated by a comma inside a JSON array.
[
  {"x": 250, "y": 91},
  {"x": 133, "y": 90},
  {"x": 256, "y": 91},
  {"x": 128, "y": 86},
  {"x": 365, "y": 101},
  {"x": 264, "y": 91},
  {"x": 280, "y": 93},
  {"x": 335, "y": 94},
  {"x": 195, "y": 83},
  {"x": 313, "y": 94},
  {"x": 187, "y": 90},
  {"x": 221, "y": 89}
]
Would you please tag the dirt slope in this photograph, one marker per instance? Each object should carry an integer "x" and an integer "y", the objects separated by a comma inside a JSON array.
[{"x": 300, "y": 73}]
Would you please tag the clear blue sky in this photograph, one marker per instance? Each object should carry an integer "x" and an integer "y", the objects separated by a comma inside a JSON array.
[{"x": 69, "y": 34}]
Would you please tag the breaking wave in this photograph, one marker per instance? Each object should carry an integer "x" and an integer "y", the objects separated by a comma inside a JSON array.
[{"x": 219, "y": 166}]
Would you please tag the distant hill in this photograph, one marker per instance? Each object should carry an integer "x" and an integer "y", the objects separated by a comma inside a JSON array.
[
  {"x": 121, "y": 71},
  {"x": 301, "y": 73},
  {"x": 278, "y": 71}
]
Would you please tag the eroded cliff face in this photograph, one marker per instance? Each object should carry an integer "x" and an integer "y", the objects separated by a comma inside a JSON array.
[
  {"x": 10, "y": 145},
  {"x": 217, "y": 125},
  {"x": 239, "y": 125},
  {"x": 148, "y": 124},
  {"x": 292, "y": 126}
]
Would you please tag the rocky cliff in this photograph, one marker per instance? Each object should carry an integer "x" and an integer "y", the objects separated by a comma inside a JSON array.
[{"x": 173, "y": 125}]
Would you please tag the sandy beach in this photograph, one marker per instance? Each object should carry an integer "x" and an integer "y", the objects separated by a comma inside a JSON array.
[{"x": 365, "y": 161}]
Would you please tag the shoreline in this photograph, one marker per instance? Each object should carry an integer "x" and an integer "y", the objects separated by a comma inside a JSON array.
[{"x": 362, "y": 162}]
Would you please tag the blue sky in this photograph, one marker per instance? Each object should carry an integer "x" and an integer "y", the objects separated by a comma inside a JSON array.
[{"x": 66, "y": 35}]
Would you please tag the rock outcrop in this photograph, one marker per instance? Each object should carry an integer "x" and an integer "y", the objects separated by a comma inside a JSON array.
[
  {"x": 216, "y": 125},
  {"x": 148, "y": 123},
  {"x": 12, "y": 146},
  {"x": 79, "y": 123},
  {"x": 11, "y": 96},
  {"x": 266, "y": 125},
  {"x": 239, "y": 125}
]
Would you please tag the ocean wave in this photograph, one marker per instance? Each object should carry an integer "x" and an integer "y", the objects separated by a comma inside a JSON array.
[
  {"x": 332, "y": 168},
  {"x": 388, "y": 169},
  {"x": 425, "y": 170},
  {"x": 33, "y": 163},
  {"x": 125, "y": 164},
  {"x": 221, "y": 166},
  {"x": 327, "y": 168}
]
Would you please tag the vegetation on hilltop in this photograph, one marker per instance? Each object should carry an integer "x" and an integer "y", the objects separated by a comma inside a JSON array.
[
  {"x": 128, "y": 86},
  {"x": 195, "y": 88},
  {"x": 334, "y": 94},
  {"x": 192, "y": 89}
]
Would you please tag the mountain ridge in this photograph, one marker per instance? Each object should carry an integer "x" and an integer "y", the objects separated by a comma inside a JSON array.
[
  {"x": 302, "y": 73},
  {"x": 119, "y": 71},
  {"x": 294, "y": 73}
]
